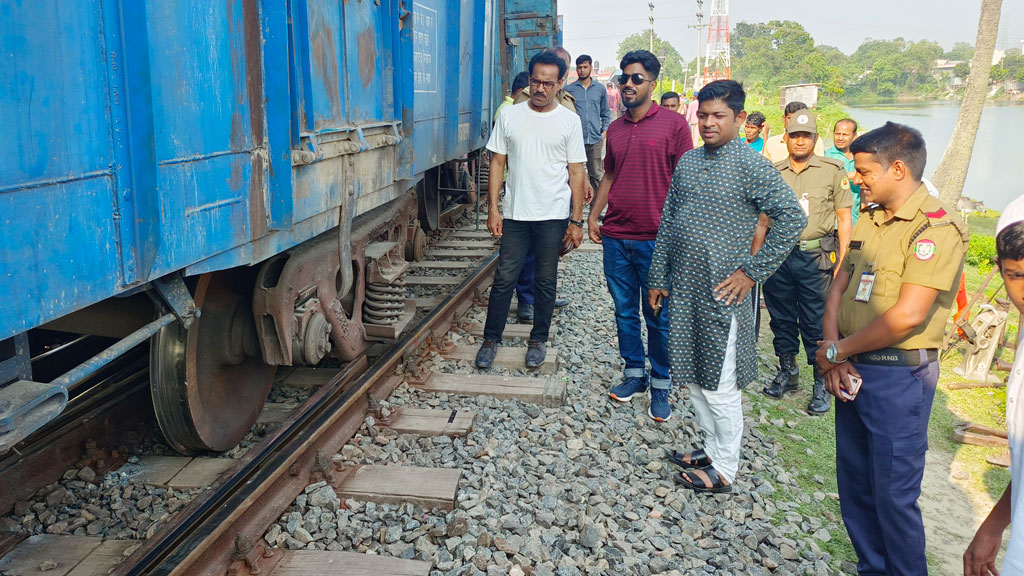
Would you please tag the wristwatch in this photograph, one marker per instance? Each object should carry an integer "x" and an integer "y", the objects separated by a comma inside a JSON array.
[
  {"x": 576, "y": 222},
  {"x": 832, "y": 355}
]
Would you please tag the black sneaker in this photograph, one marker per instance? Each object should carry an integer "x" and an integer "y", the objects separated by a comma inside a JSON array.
[
  {"x": 535, "y": 354},
  {"x": 525, "y": 313},
  {"x": 485, "y": 356}
]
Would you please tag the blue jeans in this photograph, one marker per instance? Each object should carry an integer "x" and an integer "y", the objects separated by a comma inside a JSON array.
[
  {"x": 881, "y": 438},
  {"x": 524, "y": 286},
  {"x": 517, "y": 238},
  {"x": 627, "y": 264}
]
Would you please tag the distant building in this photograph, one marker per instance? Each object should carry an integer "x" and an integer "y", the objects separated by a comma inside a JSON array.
[{"x": 944, "y": 69}]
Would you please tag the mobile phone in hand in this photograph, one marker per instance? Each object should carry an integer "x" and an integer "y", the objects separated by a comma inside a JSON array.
[
  {"x": 851, "y": 386},
  {"x": 657, "y": 304}
]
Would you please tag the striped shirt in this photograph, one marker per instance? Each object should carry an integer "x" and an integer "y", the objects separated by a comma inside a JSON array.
[{"x": 642, "y": 156}]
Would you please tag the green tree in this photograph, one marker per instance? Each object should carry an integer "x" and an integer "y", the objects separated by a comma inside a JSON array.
[
  {"x": 962, "y": 69},
  {"x": 777, "y": 53},
  {"x": 671, "y": 61},
  {"x": 961, "y": 51}
]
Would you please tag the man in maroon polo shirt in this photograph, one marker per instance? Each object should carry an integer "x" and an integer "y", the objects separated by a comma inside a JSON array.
[{"x": 642, "y": 149}]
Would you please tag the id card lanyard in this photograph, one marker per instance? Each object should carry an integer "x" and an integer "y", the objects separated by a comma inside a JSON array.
[{"x": 866, "y": 285}]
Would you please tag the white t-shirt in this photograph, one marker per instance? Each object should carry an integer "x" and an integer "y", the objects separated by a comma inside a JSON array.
[
  {"x": 1013, "y": 563},
  {"x": 539, "y": 146}
]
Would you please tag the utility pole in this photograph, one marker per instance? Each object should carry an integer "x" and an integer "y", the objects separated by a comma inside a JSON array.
[
  {"x": 699, "y": 27},
  {"x": 651, "y": 6}
]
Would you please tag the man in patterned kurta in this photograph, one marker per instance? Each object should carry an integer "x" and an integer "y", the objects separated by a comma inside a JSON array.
[{"x": 702, "y": 262}]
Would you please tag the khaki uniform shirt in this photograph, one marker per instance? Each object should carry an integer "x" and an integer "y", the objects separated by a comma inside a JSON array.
[
  {"x": 821, "y": 188},
  {"x": 562, "y": 97},
  {"x": 922, "y": 244}
]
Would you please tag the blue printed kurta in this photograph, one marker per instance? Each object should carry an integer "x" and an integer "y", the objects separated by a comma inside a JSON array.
[{"x": 706, "y": 231}]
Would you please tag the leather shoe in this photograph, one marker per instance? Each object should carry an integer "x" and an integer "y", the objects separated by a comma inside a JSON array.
[
  {"x": 485, "y": 355},
  {"x": 525, "y": 312},
  {"x": 535, "y": 354}
]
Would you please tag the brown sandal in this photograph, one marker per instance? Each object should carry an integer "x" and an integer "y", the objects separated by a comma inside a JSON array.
[{"x": 717, "y": 483}]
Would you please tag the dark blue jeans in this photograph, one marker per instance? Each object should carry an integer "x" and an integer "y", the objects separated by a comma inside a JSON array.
[
  {"x": 795, "y": 298},
  {"x": 517, "y": 237},
  {"x": 524, "y": 286},
  {"x": 627, "y": 264},
  {"x": 881, "y": 439}
]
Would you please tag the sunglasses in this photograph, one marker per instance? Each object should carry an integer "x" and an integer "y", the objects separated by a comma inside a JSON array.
[{"x": 637, "y": 79}]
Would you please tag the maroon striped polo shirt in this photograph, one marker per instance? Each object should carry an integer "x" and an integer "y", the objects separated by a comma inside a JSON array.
[{"x": 642, "y": 156}]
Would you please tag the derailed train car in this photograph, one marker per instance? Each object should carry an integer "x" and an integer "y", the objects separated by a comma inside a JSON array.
[{"x": 241, "y": 182}]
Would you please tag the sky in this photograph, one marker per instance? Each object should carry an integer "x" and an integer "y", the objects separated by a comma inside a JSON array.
[{"x": 596, "y": 27}]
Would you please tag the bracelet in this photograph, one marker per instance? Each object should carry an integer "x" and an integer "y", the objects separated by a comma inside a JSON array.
[{"x": 576, "y": 222}]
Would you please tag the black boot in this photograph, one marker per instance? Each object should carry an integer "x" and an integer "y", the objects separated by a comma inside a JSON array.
[
  {"x": 820, "y": 401},
  {"x": 787, "y": 380}
]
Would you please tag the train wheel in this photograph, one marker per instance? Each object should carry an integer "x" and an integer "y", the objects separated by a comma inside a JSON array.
[
  {"x": 415, "y": 249},
  {"x": 429, "y": 198},
  {"x": 209, "y": 382}
]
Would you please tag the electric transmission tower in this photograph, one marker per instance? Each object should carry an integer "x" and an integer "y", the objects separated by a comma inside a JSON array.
[{"x": 716, "y": 59}]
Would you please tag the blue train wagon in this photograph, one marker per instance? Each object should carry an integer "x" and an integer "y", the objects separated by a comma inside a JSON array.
[{"x": 241, "y": 182}]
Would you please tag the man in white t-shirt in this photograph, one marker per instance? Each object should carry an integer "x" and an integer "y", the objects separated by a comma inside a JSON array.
[
  {"x": 980, "y": 557},
  {"x": 542, "y": 145}
]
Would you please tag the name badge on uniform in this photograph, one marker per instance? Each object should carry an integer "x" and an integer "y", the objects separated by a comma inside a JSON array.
[
  {"x": 805, "y": 203},
  {"x": 867, "y": 283}
]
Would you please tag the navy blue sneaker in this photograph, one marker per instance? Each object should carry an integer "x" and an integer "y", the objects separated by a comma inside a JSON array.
[
  {"x": 485, "y": 355},
  {"x": 660, "y": 410},
  {"x": 629, "y": 387}
]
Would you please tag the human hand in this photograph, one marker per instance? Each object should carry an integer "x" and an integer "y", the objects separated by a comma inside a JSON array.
[
  {"x": 574, "y": 233},
  {"x": 494, "y": 223},
  {"x": 652, "y": 296},
  {"x": 594, "y": 230},
  {"x": 980, "y": 557},
  {"x": 588, "y": 192},
  {"x": 835, "y": 380},
  {"x": 821, "y": 356},
  {"x": 734, "y": 288}
]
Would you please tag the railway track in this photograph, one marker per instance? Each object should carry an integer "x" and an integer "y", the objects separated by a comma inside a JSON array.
[{"x": 221, "y": 530}]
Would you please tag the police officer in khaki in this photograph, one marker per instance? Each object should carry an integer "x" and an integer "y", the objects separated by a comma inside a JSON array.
[
  {"x": 795, "y": 294},
  {"x": 883, "y": 325}
]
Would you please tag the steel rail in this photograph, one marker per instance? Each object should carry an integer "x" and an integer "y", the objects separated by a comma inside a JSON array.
[{"x": 255, "y": 492}]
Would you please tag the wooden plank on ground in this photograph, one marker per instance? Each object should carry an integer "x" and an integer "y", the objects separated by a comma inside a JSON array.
[
  {"x": 508, "y": 357},
  {"x": 200, "y": 472},
  {"x": 427, "y": 302},
  {"x": 477, "y": 244},
  {"x": 275, "y": 413},
  {"x": 433, "y": 280},
  {"x": 427, "y": 487},
  {"x": 589, "y": 247},
  {"x": 428, "y": 422},
  {"x": 452, "y": 253},
  {"x": 483, "y": 232},
  {"x": 441, "y": 265},
  {"x": 317, "y": 563},
  {"x": 103, "y": 559},
  {"x": 521, "y": 331},
  {"x": 65, "y": 551},
  {"x": 155, "y": 470},
  {"x": 545, "y": 391},
  {"x": 305, "y": 378}
]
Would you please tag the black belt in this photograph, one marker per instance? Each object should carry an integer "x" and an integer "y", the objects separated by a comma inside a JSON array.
[{"x": 897, "y": 357}]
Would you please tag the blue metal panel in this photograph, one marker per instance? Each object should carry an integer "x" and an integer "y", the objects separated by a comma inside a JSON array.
[
  {"x": 429, "y": 33},
  {"x": 321, "y": 40},
  {"x": 278, "y": 94},
  {"x": 364, "y": 51}
]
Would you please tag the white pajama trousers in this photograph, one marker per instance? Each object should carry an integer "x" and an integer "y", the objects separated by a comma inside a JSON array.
[{"x": 720, "y": 414}]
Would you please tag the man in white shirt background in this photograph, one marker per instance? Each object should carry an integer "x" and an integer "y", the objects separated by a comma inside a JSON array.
[
  {"x": 980, "y": 557},
  {"x": 542, "y": 145}
]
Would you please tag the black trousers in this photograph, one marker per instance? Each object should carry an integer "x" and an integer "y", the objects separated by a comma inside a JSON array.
[
  {"x": 795, "y": 298},
  {"x": 517, "y": 238}
]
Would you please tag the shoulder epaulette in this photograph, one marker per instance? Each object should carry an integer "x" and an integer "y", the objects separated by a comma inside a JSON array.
[
  {"x": 834, "y": 162},
  {"x": 938, "y": 214}
]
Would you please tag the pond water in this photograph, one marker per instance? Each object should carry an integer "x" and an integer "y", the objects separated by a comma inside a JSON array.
[{"x": 996, "y": 174}]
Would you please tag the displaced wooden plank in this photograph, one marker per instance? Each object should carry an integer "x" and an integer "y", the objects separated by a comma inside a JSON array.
[
  {"x": 589, "y": 247},
  {"x": 306, "y": 378},
  {"x": 427, "y": 302},
  {"x": 200, "y": 472},
  {"x": 73, "y": 555},
  {"x": 275, "y": 413},
  {"x": 433, "y": 280},
  {"x": 478, "y": 244},
  {"x": 103, "y": 559},
  {"x": 428, "y": 487},
  {"x": 155, "y": 470},
  {"x": 454, "y": 253},
  {"x": 441, "y": 265},
  {"x": 316, "y": 563},
  {"x": 427, "y": 422},
  {"x": 521, "y": 331},
  {"x": 548, "y": 392},
  {"x": 508, "y": 357}
]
